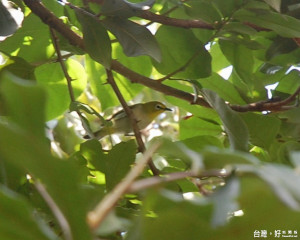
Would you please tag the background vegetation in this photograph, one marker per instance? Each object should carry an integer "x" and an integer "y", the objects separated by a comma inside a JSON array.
[{"x": 223, "y": 165}]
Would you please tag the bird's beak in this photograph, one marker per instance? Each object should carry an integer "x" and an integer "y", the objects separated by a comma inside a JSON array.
[{"x": 168, "y": 109}]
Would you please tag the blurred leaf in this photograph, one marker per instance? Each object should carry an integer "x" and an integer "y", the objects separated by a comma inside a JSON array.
[
  {"x": 32, "y": 97},
  {"x": 8, "y": 24},
  {"x": 223, "y": 88},
  {"x": 18, "y": 220},
  {"x": 225, "y": 201},
  {"x": 195, "y": 126},
  {"x": 19, "y": 67},
  {"x": 262, "y": 128},
  {"x": 199, "y": 142},
  {"x": 32, "y": 35},
  {"x": 288, "y": 82},
  {"x": 176, "y": 218},
  {"x": 202, "y": 10},
  {"x": 178, "y": 150},
  {"x": 98, "y": 80},
  {"x": 280, "y": 46},
  {"x": 274, "y": 4},
  {"x": 215, "y": 158},
  {"x": 95, "y": 37},
  {"x": 118, "y": 162},
  {"x": 227, "y": 7},
  {"x": 123, "y": 8},
  {"x": 139, "y": 64},
  {"x": 234, "y": 125},
  {"x": 28, "y": 149},
  {"x": 284, "y": 25},
  {"x": 284, "y": 181},
  {"x": 135, "y": 39},
  {"x": 92, "y": 151},
  {"x": 52, "y": 78},
  {"x": 174, "y": 58},
  {"x": 241, "y": 58}
]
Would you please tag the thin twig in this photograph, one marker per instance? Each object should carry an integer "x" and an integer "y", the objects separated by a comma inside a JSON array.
[
  {"x": 68, "y": 78},
  {"x": 62, "y": 221},
  {"x": 96, "y": 217},
  {"x": 62, "y": 64},
  {"x": 171, "y": 177},
  {"x": 50, "y": 19},
  {"x": 133, "y": 121},
  {"x": 181, "y": 69}
]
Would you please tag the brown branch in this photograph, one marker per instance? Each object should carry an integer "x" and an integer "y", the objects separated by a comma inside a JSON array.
[
  {"x": 51, "y": 20},
  {"x": 268, "y": 105},
  {"x": 61, "y": 219},
  {"x": 183, "y": 23},
  {"x": 155, "y": 85},
  {"x": 62, "y": 64},
  {"x": 133, "y": 121},
  {"x": 74, "y": 39},
  {"x": 96, "y": 217},
  {"x": 171, "y": 177}
]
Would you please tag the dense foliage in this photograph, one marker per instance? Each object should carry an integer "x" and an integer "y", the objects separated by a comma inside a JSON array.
[{"x": 224, "y": 164}]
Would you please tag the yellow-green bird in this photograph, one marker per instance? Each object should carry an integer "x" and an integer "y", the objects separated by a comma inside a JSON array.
[{"x": 144, "y": 113}]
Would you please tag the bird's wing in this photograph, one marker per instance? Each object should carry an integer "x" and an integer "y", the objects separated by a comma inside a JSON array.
[{"x": 122, "y": 114}]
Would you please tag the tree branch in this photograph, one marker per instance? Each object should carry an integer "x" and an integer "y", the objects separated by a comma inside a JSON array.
[
  {"x": 171, "y": 177},
  {"x": 96, "y": 217},
  {"x": 133, "y": 121},
  {"x": 183, "y": 23},
  {"x": 50, "y": 19},
  {"x": 64, "y": 224}
]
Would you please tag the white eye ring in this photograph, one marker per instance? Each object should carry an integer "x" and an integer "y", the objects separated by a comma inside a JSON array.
[{"x": 158, "y": 107}]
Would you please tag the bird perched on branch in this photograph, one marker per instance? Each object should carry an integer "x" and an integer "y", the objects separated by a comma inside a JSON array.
[{"x": 144, "y": 114}]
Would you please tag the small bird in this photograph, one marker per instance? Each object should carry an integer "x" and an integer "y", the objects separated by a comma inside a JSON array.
[{"x": 144, "y": 113}]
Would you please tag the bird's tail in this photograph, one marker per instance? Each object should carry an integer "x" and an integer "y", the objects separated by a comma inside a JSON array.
[{"x": 100, "y": 133}]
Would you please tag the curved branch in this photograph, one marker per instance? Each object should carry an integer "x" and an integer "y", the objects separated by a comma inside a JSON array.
[
  {"x": 184, "y": 23},
  {"x": 50, "y": 19}
]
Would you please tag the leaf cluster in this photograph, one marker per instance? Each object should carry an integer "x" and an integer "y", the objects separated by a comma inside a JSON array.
[{"x": 230, "y": 162}]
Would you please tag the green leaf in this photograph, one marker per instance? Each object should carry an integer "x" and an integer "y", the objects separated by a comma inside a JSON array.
[
  {"x": 234, "y": 125},
  {"x": 215, "y": 158},
  {"x": 32, "y": 97},
  {"x": 195, "y": 126},
  {"x": 92, "y": 151},
  {"x": 284, "y": 182},
  {"x": 118, "y": 162},
  {"x": 177, "y": 218},
  {"x": 19, "y": 67},
  {"x": 178, "y": 150},
  {"x": 223, "y": 88},
  {"x": 198, "y": 143},
  {"x": 262, "y": 128},
  {"x": 32, "y": 35},
  {"x": 288, "y": 82},
  {"x": 135, "y": 39},
  {"x": 28, "y": 150},
  {"x": 103, "y": 91},
  {"x": 174, "y": 58},
  {"x": 95, "y": 37},
  {"x": 225, "y": 201},
  {"x": 8, "y": 24},
  {"x": 123, "y": 8},
  {"x": 18, "y": 220},
  {"x": 139, "y": 64},
  {"x": 284, "y": 25},
  {"x": 52, "y": 78},
  {"x": 202, "y": 10},
  {"x": 241, "y": 58}
]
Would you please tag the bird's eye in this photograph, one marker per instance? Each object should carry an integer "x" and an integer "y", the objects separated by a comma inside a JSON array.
[{"x": 158, "y": 107}]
